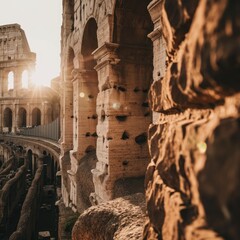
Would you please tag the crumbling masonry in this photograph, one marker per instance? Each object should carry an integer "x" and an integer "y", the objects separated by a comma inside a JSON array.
[{"x": 185, "y": 54}]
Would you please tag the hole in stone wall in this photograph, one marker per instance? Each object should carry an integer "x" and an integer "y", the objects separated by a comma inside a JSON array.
[
  {"x": 106, "y": 86},
  {"x": 141, "y": 139},
  {"x": 94, "y": 134},
  {"x": 103, "y": 115},
  {"x": 121, "y": 88},
  {"x": 89, "y": 149},
  {"x": 125, "y": 162},
  {"x": 136, "y": 89},
  {"x": 94, "y": 116},
  {"x": 121, "y": 118},
  {"x": 146, "y": 114},
  {"x": 109, "y": 138},
  {"x": 145, "y": 104},
  {"x": 125, "y": 135},
  {"x": 88, "y": 134}
]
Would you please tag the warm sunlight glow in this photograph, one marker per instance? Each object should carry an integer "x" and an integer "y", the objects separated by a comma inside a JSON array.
[
  {"x": 42, "y": 32},
  {"x": 25, "y": 79},
  {"x": 10, "y": 80},
  {"x": 82, "y": 94},
  {"x": 40, "y": 79}
]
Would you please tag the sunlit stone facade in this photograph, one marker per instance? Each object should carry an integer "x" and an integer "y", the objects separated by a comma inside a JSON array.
[
  {"x": 181, "y": 58},
  {"x": 22, "y": 104},
  {"x": 106, "y": 76}
]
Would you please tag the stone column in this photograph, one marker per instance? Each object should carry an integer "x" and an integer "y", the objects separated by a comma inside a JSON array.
[
  {"x": 1, "y": 82},
  {"x": 17, "y": 81},
  {"x": 123, "y": 116},
  {"x": 1, "y": 119},
  {"x": 159, "y": 49},
  {"x": 28, "y": 123},
  {"x": 67, "y": 108},
  {"x": 16, "y": 113},
  {"x": 66, "y": 135},
  {"x": 107, "y": 59},
  {"x": 14, "y": 118}
]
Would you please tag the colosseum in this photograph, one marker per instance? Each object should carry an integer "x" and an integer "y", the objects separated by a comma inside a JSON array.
[{"x": 138, "y": 138}]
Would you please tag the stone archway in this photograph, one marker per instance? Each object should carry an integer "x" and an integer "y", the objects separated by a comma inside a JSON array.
[
  {"x": 87, "y": 90},
  {"x": 22, "y": 117},
  {"x": 7, "y": 120},
  {"x": 125, "y": 69},
  {"x": 36, "y": 117}
]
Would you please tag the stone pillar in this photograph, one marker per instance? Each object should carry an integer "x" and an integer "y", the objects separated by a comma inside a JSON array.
[
  {"x": 1, "y": 82},
  {"x": 17, "y": 81},
  {"x": 5, "y": 83},
  {"x": 66, "y": 136},
  {"x": 107, "y": 77},
  {"x": 14, "y": 118},
  {"x": 16, "y": 113},
  {"x": 67, "y": 108},
  {"x": 85, "y": 89},
  {"x": 1, "y": 119},
  {"x": 122, "y": 109},
  {"x": 159, "y": 49},
  {"x": 29, "y": 119}
]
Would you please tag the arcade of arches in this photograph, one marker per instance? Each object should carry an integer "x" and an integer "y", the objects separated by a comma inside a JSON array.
[
  {"x": 21, "y": 104},
  {"x": 149, "y": 98},
  {"x": 144, "y": 77}
]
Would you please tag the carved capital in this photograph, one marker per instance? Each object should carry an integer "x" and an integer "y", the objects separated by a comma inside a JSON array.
[
  {"x": 154, "y": 8},
  {"x": 106, "y": 54}
]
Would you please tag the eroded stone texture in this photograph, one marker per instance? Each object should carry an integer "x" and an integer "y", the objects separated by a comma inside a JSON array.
[
  {"x": 122, "y": 218},
  {"x": 192, "y": 181},
  {"x": 105, "y": 78}
]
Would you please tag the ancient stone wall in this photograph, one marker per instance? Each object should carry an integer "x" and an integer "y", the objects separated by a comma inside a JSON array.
[
  {"x": 191, "y": 66},
  {"x": 106, "y": 76},
  {"x": 192, "y": 182}
]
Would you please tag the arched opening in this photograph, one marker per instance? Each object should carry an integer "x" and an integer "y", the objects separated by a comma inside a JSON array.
[
  {"x": 88, "y": 89},
  {"x": 36, "y": 117},
  {"x": 7, "y": 120},
  {"x": 10, "y": 80},
  {"x": 22, "y": 117},
  {"x": 25, "y": 78},
  {"x": 132, "y": 24}
]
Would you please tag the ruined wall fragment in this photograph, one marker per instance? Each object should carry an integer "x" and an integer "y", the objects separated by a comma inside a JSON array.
[{"x": 192, "y": 181}]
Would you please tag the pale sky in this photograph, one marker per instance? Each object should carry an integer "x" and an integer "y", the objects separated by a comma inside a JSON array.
[{"x": 41, "y": 20}]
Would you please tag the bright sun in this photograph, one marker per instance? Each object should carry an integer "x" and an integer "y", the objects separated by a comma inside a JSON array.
[{"x": 41, "y": 79}]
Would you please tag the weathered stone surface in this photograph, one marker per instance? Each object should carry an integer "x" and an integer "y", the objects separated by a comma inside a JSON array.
[
  {"x": 84, "y": 180},
  {"x": 106, "y": 75},
  {"x": 122, "y": 218},
  {"x": 192, "y": 180},
  {"x": 107, "y": 70},
  {"x": 205, "y": 68}
]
